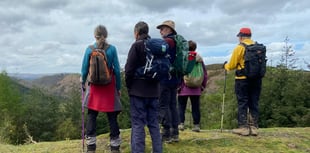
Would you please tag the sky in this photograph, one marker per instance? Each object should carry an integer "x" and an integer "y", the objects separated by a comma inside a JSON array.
[{"x": 49, "y": 36}]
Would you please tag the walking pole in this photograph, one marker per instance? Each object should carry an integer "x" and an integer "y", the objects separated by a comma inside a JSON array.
[
  {"x": 82, "y": 97},
  {"x": 190, "y": 113},
  {"x": 222, "y": 118}
]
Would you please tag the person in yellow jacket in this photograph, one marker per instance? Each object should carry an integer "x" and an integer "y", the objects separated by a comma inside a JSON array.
[{"x": 247, "y": 90}]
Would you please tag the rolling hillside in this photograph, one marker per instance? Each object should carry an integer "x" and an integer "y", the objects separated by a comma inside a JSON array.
[{"x": 61, "y": 84}]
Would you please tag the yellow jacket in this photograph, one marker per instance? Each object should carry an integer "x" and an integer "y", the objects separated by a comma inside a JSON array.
[{"x": 237, "y": 58}]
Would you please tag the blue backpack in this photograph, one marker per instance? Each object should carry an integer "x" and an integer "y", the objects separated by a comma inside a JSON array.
[{"x": 157, "y": 64}]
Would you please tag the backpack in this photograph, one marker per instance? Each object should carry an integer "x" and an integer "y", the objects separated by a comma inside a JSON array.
[
  {"x": 99, "y": 72},
  {"x": 184, "y": 61},
  {"x": 195, "y": 78},
  {"x": 157, "y": 60},
  {"x": 254, "y": 61}
]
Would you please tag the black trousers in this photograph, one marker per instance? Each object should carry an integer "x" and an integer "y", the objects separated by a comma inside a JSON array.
[
  {"x": 195, "y": 103},
  {"x": 248, "y": 92},
  {"x": 168, "y": 112},
  {"x": 92, "y": 123}
]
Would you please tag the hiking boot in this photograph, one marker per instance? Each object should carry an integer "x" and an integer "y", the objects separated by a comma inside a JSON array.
[
  {"x": 115, "y": 149},
  {"x": 175, "y": 138},
  {"x": 181, "y": 126},
  {"x": 166, "y": 136},
  {"x": 196, "y": 128},
  {"x": 166, "y": 139},
  {"x": 91, "y": 148},
  {"x": 244, "y": 131},
  {"x": 253, "y": 130}
]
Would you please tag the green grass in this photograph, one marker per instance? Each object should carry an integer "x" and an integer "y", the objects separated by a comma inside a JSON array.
[{"x": 270, "y": 140}]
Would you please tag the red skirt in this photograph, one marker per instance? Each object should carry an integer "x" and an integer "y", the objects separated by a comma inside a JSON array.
[{"x": 104, "y": 98}]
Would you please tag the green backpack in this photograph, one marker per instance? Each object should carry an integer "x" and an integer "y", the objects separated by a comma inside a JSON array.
[
  {"x": 184, "y": 61},
  {"x": 195, "y": 78}
]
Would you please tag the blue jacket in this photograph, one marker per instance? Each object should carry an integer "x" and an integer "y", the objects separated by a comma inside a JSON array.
[
  {"x": 112, "y": 63},
  {"x": 174, "y": 79}
]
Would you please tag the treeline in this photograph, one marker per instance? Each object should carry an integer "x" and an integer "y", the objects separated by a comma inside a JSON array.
[
  {"x": 29, "y": 115},
  {"x": 284, "y": 101}
]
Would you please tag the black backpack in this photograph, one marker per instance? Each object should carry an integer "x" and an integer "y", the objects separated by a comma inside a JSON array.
[
  {"x": 254, "y": 61},
  {"x": 157, "y": 64}
]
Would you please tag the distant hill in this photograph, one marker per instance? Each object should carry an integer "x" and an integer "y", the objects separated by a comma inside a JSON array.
[
  {"x": 55, "y": 84},
  {"x": 214, "y": 66},
  {"x": 26, "y": 76},
  {"x": 61, "y": 84}
]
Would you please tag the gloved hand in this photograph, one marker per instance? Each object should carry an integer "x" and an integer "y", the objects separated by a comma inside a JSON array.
[
  {"x": 179, "y": 90},
  {"x": 83, "y": 86},
  {"x": 202, "y": 88},
  {"x": 224, "y": 64}
]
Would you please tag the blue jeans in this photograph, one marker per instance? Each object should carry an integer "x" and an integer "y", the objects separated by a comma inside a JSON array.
[
  {"x": 195, "y": 103},
  {"x": 144, "y": 111},
  {"x": 248, "y": 92},
  {"x": 168, "y": 113}
]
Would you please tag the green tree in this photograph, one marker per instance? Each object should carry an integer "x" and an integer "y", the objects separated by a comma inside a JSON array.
[
  {"x": 285, "y": 100},
  {"x": 11, "y": 110},
  {"x": 41, "y": 115},
  {"x": 69, "y": 117}
]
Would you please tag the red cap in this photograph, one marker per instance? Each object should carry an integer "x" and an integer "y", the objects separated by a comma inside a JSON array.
[{"x": 244, "y": 32}]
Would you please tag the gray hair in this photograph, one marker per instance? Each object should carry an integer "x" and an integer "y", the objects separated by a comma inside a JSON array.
[{"x": 141, "y": 28}]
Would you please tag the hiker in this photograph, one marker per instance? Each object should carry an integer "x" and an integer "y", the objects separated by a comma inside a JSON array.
[
  {"x": 247, "y": 90},
  {"x": 168, "y": 114},
  {"x": 143, "y": 95},
  {"x": 193, "y": 92},
  {"x": 103, "y": 98}
]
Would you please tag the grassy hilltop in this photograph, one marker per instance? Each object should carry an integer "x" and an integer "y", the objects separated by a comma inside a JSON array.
[{"x": 270, "y": 140}]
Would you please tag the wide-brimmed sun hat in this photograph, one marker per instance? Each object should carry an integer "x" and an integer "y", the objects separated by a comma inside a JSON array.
[{"x": 168, "y": 23}]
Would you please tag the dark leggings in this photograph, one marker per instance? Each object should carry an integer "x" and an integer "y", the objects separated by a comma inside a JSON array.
[
  {"x": 92, "y": 123},
  {"x": 195, "y": 102}
]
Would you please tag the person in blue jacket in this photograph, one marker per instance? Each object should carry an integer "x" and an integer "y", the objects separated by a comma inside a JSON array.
[
  {"x": 168, "y": 113},
  {"x": 102, "y": 98}
]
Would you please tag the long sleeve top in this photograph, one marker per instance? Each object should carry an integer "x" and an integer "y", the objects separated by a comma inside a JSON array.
[
  {"x": 237, "y": 58},
  {"x": 136, "y": 58},
  {"x": 113, "y": 63},
  {"x": 174, "y": 79}
]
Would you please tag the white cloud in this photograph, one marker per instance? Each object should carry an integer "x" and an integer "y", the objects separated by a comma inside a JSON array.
[{"x": 51, "y": 36}]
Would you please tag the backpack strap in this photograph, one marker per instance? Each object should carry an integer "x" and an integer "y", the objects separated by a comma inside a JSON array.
[
  {"x": 92, "y": 47},
  {"x": 103, "y": 51},
  {"x": 106, "y": 46},
  {"x": 241, "y": 71},
  {"x": 243, "y": 44}
]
